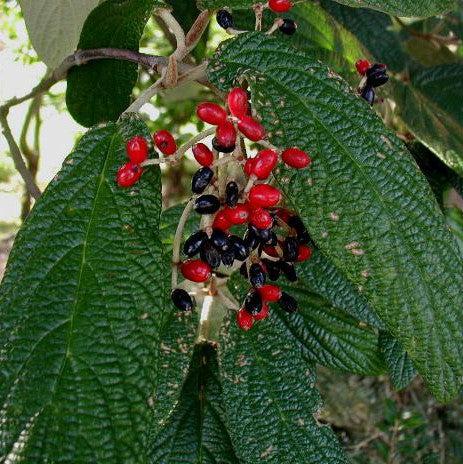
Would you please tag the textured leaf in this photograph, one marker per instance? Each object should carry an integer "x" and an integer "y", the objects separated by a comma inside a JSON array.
[
  {"x": 196, "y": 432},
  {"x": 80, "y": 310},
  {"x": 101, "y": 90},
  {"x": 454, "y": 217},
  {"x": 270, "y": 398},
  {"x": 54, "y": 26},
  {"x": 401, "y": 370},
  {"x": 216, "y": 4},
  {"x": 365, "y": 202},
  {"x": 430, "y": 105}
]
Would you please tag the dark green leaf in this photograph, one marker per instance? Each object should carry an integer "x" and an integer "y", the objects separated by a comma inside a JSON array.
[
  {"x": 101, "y": 90},
  {"x": 454, "y": 217},
  {"x": 365, "y": 202},
  {"x": 81, "y": 305},
  {"x": 401, "y": 370}
]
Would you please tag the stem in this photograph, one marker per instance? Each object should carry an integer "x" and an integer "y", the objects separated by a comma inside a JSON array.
[
  {"x": 251, "y": 181},
  {"x": 266, "y": 144},
  {"x": 177, "y": 30}
]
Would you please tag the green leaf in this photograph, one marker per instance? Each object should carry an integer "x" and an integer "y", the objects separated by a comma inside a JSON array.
[
  {"x": 364, "y": 201},
  {"x": 81, "y": 308},
  {"x": 216, "y": 4},
  {"x": 429, "y": 104},
  {"x": 454, "y": 217},
  {"x": 101, "y": 90},
  {"x": 401, "y": 370},
  {"x": 196, "y": 431},
  {"x": 54, "y": 26}
]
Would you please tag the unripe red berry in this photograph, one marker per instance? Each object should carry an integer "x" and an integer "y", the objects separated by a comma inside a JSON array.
[
  {"x": 280, "y": 6},
  {"x": 137, "y": 150},
  {"x": 196, "y": 270},
  {"x": 238, "y": 102},
  {"x": 270, "y": 293},
  {"x": 260, "y": 218},
  {"x": 270, "y": 251},
  {"x": 296, "y": 158},
  {"x": 211, "y": 113},
  {"x": 221, "y": 222},
  {"x": 248, "y": 167},
  {"x": 128, "y": 175},
  {"x": 304, "y": 253},
  {"x": 165, "y": 142},
  {"x": 251, "y": 128},
  {"x": 263, "y": 314},
  {"x": 226, "y": 135},
  {"x": 237, "y": 215},
  {"x": 203, "y": 154},
  {"x": 264, "y": 163},
  {"x": 244, "y": 320},
  {"x": 264, "y": 195},
  {"x": 362, "y": 66}
]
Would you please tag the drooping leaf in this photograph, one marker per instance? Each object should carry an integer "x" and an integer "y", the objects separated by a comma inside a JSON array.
[
  {"x": 101, "y": 90},
  {"x": 81, "y": 307},
  {"x": 401, "y": 370},
  {"x": 365, "y": 202},
  {"x": 54, "y": 26},
  {"x": 196, "y": 431},
  {"x": 429, "y": 104}
]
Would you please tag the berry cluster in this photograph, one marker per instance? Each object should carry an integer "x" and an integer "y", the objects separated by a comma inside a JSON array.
[
  {"x": 274, "y": 238},
  {"x": 375, "y": 75},
  {"x": 285, "y": 25}
]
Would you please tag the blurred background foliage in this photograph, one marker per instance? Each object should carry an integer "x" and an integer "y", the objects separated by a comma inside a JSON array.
[{"x": 375, "y": 423}]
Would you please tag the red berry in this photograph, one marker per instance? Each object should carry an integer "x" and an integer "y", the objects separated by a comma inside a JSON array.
[
  {"x": 128, "y": 175},
  {"x": 264, "y": 195},
  {"x": 221, "y": 222},
  {"x": 203, "y": 155},
  {"x": 296, "y": 158},
  {"x": 249, "y": 166},
  {"x": 211, "y": 113},
  {"x": 304, "y": 253},
  {"x": 251, "y": 128},
  {"x": 270, "y": 251},
  {"x": 280, "y": 6},
  {"x": 238, "y": 102},
  {"x": 284, "y": 214},
  {"x": 264, "y": 163},
  {"x": 137, "y": 150},
  {"x": 196, "y": 270},
  {"x": 226, "y": 135},
  {"x": 237, "y": 215},
  {"x": 244, "y": 320},
  {"x": 362, "y": 66},
  {"x": 165, "y": 142},
  {"x": 263, "y": 313},
  {"x": 260, "y": 218},
  {"x": 270, "y": 293}
]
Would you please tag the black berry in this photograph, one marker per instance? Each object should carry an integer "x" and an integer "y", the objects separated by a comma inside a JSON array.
[
  {"x": 228, "y": 257},
  {"x": 368, "y": 94},
  {"x": 207, "y": 204},
  {"x": 239, "y": 248},
  {"x": 232, "y": 194},
  {"x": 253, "y": 303},
  {"x": 210, "y": 255},
  {"x": 244, "y": 270},
  {"x": 287, "y": 303},
  {"x": 290, "y": 249},
  {"x": 182, "y": 300},
  {"x": 193, "y": 244},
  {"x": 377, "y": 75},
  {"x": 288, "y": 270},
  {"x": 201, "y": 180},
  {"x": 257, "y": 275},
  {"x": 220, "y": 239},
  {"x": 273, "y": 269},
  {"x": 251, "y": 239},
  {"x": 224, "y": 19},
  {"x": 222, "y": 148},
  {"x": 288, "y": 27}
]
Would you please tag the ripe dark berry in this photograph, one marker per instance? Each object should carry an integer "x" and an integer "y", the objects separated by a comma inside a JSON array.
[
  {"x": 222, "y": 148},
  {"x": 368, "y": 94},
  {"x": 244, "y": 270},
  {"x": 203, "y": 155},
  {"x": 304, "y": 237},
  {"x": 193, "y": 244},
  {"x": 211, "y": 113},
  {"x": 260, "y": 218},
  {"x": 182, "y": 300},
  {"x": 304, "y": 253},
  {"x": 295, "y": 222},
  {"x": 264, "y": 163},
  {"x": 263, "y": 234},
  {"x": 137, "y": 150},
  {"x": 263, "y": 314},
  {"x": 232, "y": 194},
  {"x": 280, "y": 6},
  {"x": 377, "y": 75},
  {"x": 221, "y": 222},
  {"x": 290, "y": 249},
  {"x": 287, "y": 303},
  {"x": 201, "y": 179},
  {"x": 165, "y": 142},
  {"x": 270, "y": 293},
  {"x": 238, "y": 102},
  {"x": 264, "y": 195},
  {"x": 362, "y": 66},
  {"x": 220, "y": 239},
  {"x": 196, "y": 270},
  {"x": 128, "y": 175},
  {"x": 237, "y": 215},
  {"x": 272, "y": 268},
  {"x": 257, "y": 275},
  {"x": 296, "y": 158},
  {"x": 225, "y": 137},
  {"x": 251, "y": 239},
  {"x": 273, "y": 239},
  {"x": 253, "y": 303},
  {"x": 224, "y": 19},
  {"x": 239, "y": 248},
  {"x": 244, "y": 320},
  {"x": 288, "y": 270},
  {"x": 288, "y": 26},
  {"x": 207, "y": 204},
  {"x": 228, "y": 258},
  {"x": 251, "y": 129},
  {"x": 210, "y": 255}
]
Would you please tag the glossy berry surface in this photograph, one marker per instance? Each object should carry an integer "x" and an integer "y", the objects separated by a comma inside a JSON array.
[
  {"x": 232, "y": 194},
  {"x": 194, "y": 243},
  {"x": 137, "y": 150},
  {"x": 128, "y": 175},
  {"x": 377, "y": 75},
  {"x": 196, "y": 270},
  {"x": 362, "y": 66},
  {"x": 263, "y": 313},
  {"x": 290, "y": 249},
  {"x": 368, "y": 94},
  {"x": 211, "y": 113},
  {"x": 260, "y": 218},
  {"x": 264, "y": 195},
  {"x": 237, "y": 215},
  {"x": 203, "y": 154},
  {"x": 224, "y": 19},
  {"x": 221, "y": 222},
  {"x": 287, "y": 303},
  {"x": 220, "y": 239},
  {"x": 296, "y": 158},
  {"x": 251, "y": 129},
  {"x": 244, "y": 320},
  {"x": 210, "y": 255},
  {"x": 253, "y": 303},
  {"x": 165, "y": 142},
  {"x": 257, "y": 275},
  {"x": 237, "y": 101},
  {"x": 280, "y": 6},
  {"x": 264, "y": 163},
  {"x": 207, "y": 204},
  {"x": 182, "y": 300},
  {"x": 270, "y": 293},
  {"x": 304, "y": 253},
  {"x": 201, "y": 179},
  {"x": 225, "y": 137},
  {"x": 288, "y": 27},
  {"x": 239, "y": 247}
]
